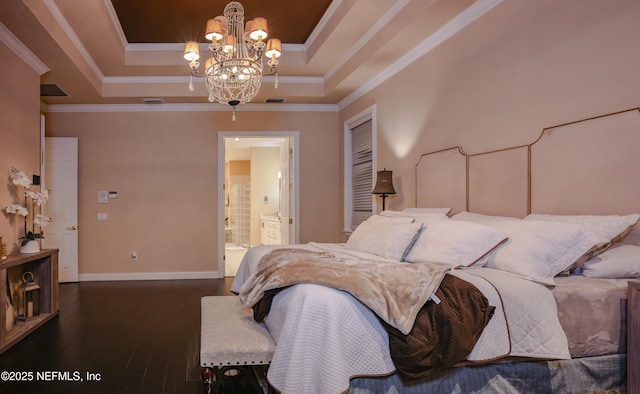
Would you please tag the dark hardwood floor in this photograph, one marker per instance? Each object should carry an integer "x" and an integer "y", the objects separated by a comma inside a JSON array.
[{"x": 117, "y": 337}]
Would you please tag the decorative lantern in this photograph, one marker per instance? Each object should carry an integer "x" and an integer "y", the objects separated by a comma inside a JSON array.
[
  {"x": 3, "y": 250},
  {"x": 29, "y": 297}
]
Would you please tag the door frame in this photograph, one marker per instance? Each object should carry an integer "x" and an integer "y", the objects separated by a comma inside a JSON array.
[{"x": 294, "y": 208}]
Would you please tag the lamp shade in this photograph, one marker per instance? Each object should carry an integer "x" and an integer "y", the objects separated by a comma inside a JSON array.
[
  {"x": 258, "y": 29},
  {"x": 191, "y": 51},
  {"x": 247, "y": 30},
  {"x": 229, "y": 44},
  {"x": 208, "y": 64},
  {"x": 214, "y": 30},
  {"x": 274, "y": 48},
  {"x": 384, "y": 183},
  {"x": 224, "y": 22}
]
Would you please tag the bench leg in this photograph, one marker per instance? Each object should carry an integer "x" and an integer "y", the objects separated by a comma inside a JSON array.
[
  {"x": 212, "y": 379},
  {"x": 261, "y": 374},
  {"x": 207, "y": 379}
]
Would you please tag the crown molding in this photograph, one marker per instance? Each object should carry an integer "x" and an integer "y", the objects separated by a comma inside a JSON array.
[
  {"x": 21, "y": 50},
  {"x": 113, "y": 16},
  {"x": 468, "y": 16},
  {"x": 326, "y": 17},
  {"x": 173, "y": 47},
  {"x": 73, "y": 37},
  {"x": 213, "y": 107},
  {"x": 379, "y": 25},
  {"x": 185, "y": 79},
  {"x": 455, "y": 25}
]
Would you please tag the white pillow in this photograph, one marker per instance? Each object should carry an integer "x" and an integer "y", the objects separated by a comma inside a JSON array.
[
  {"x": 610, "y": 227},
  {"x": 428, "y": 218},
  {"x": 421, "y": 211},
  {"x": 456, "y": 243},
  {"x": 619, "y": 261},
  {"x": 389, "y": 240},
  {"x": 416, "y": 217},
  {"x": 540, "y": 250},
  {"x": 390, "y": 219},
  {"x": 480, "y": 218}
]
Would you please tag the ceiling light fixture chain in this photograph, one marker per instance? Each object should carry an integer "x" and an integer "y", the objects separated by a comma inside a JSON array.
[{"x": 233, "y": 72}]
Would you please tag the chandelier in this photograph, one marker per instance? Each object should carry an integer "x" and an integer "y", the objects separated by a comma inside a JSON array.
[{"x": 233, "y": 72}]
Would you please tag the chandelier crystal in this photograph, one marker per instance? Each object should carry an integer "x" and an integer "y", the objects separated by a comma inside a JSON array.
[{"x": 233, "y": 72}]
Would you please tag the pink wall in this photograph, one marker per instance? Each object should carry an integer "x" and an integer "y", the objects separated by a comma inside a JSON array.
[
  {"x": 19, "y": 135},
  {"x": 524, "y": 66},
  {"x": 164, "y": 166}
]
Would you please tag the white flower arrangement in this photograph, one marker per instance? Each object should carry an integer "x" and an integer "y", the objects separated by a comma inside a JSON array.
[
  {"x": 18, "y": 209},
  {"x": 38, "y": 199}
]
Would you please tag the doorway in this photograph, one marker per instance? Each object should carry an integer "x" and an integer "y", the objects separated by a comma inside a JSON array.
[{"x": 258, "y": 172}]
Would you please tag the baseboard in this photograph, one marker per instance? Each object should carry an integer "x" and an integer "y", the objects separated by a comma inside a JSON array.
[{"x": 148, "y": 276}]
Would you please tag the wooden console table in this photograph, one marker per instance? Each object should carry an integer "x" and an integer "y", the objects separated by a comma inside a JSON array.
[{"x": 44, "y": 265}]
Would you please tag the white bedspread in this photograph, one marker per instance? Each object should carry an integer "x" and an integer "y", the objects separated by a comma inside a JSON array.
[{"x": 324, "y": 336}]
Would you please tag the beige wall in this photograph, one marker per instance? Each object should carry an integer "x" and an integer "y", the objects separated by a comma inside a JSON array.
[
  {"x": 524, "y": 66},
  {"x": 19, "y": 136},
  {"x": 164, "y": 166},
  {"x": 265, "y": 163}
]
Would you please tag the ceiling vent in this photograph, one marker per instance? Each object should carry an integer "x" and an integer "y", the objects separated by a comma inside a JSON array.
[
  {"x": 153, "y": 100},
  {"x": 51, "y": 90},
  {"x": 274, "y": 100}
]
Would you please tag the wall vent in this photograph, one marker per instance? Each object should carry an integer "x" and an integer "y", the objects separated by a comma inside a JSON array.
[
  {"x": 274, "y": 100},
  {"x": 153, "y": 100},
  {"x": 51, "y": 90}
]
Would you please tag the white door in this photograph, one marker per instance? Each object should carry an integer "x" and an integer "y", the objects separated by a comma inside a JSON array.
[{"x": 61, "y": 178}]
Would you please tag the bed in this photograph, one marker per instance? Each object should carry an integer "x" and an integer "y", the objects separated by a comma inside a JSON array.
[{"x": 545, "y": 233}]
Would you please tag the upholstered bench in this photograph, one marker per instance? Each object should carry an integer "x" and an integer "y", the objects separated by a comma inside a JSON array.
[{"x": 230, "y": 339}]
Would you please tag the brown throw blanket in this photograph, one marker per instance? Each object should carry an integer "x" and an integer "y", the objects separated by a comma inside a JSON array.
[{"x": 443, "y": 334}]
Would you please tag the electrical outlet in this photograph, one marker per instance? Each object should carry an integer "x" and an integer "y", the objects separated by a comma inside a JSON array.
[{"x": 134, "y": 256}]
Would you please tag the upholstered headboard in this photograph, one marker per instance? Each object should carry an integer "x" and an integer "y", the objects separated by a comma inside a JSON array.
[
  {"x": 441, "y": 179},
  {"x": 590, "y": 166}
]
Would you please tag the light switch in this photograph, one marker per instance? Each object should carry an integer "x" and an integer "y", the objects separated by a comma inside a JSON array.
[
  {"x": 102, "y": 216},
  {"x": 103, "y": 196}
]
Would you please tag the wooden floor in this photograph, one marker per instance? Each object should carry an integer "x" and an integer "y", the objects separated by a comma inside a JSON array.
[{"x": 126, "y": 337}]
